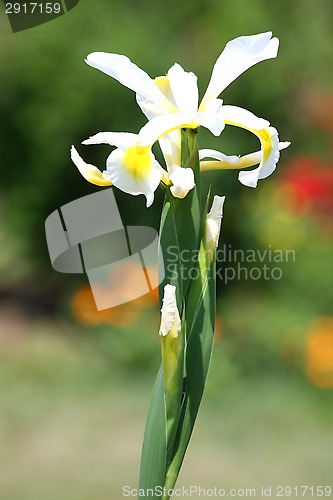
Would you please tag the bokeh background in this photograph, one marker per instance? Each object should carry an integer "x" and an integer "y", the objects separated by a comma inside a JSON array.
[{"x": 74, "y": 383}]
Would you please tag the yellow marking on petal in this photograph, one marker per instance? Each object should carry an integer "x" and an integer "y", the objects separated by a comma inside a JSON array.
[
  {"x": 263, "y": 135},
  {"x": 163, "y": 84},
  {"x": 166, "y": 179},
  {"x": 266, "y": 140},
  {"x": 95, "y": 177},
  {"x": 137, "y": 161},
  {"x": 89, "y": 172},
  {"x": 243, "y": 162}
]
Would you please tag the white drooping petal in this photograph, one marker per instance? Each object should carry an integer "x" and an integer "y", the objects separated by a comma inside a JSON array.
[
  {"x": 234, "y": 115},
  {"x": 135, "y": 171},
  {"x": 268, "y": 136},
  {"x": 270, "y": 157},
  {"x": 284, "y": 145},
  {"x": 232, "y": 162},
  {"x": 89, "y": 172},
  {"x": 184, "y": 89},
  {"x": 170, "y": 319},
  {"x": 127, "y": 73},
  {"x": 182, "y": 180},
  {"x": 217, "y": 155},
  {"x": 213, "y": 222},
  {"x": 237, "y": 56},
  {"x": 119, "y": 139}
]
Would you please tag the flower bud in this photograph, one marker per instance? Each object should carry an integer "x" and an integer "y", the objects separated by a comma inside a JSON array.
[{"x": 213, "y": 222}]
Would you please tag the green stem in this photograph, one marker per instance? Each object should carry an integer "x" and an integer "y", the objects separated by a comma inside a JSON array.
[{"x": 180, "y": 385}]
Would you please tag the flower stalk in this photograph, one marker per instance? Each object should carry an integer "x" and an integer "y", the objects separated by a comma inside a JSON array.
[{"x": 188, "y": 292}]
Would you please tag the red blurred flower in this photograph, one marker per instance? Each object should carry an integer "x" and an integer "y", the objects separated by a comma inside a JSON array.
[{"x": 308, "y": 185}]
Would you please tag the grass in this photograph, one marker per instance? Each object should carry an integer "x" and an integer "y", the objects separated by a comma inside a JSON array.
[{"x": 71, "y": 424}]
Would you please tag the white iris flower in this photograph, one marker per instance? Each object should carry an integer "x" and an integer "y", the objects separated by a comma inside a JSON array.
[{"x": 170, "y": 103}]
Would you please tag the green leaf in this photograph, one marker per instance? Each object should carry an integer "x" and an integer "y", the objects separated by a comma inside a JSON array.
[
  {"x": 154, "y": 450},
  {"x": 170, "y": 248},
  {"x": 200, "y": 322}
]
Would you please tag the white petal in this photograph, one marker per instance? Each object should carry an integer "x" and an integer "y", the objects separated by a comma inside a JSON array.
[
  {"x": 170, "y": 143},
  {"x": 153, "y": 108},
  {"x": 267, "y": 135},
  {"x": 236, "y": 162},
  {"x": 284, "y": 145},
  {"x": 89, "y": 172},
  {"x": 211, "y": 117},
  {"x": 161, "y": 125},
  {"x": 129, "y": 180},
  {"x": 171, "y": 147},
  {"x": 213, "y": 222},
  {"x": 184, "y": 89},
  {"x": 234, "y": 115},
  {"x": 170, "y": 319},
  {"x": 267, "y": 164},
  {"x": 127, "y": 73},
  {"x": 150, "y": 108},
  {"x": 237, "y": 56},
  {"x": 182, "y": 180},
  {"x": 119, "y": 139},
  {"x": 211, "y": 153}
]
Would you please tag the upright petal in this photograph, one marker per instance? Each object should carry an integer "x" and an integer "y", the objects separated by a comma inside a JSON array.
[
  {"x": 89, "y": 172},
  {"x": 237, "y": 56},
  {"x": 152, "y": 108},
  {"x": 184, "y": 89}
]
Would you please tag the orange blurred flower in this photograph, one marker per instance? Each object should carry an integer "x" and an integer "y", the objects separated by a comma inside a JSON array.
[
  {"x": 125, "y": 276},
  {"x": 218, "y": 331},
  {"x": 319, "y": 356},
  {"x": 84, "y": 310}
]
